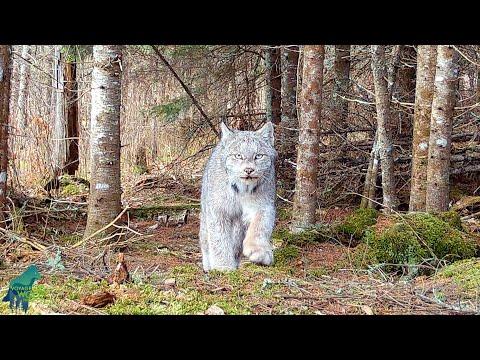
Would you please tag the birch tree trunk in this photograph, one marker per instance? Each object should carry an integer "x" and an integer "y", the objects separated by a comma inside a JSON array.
[
  {"x": 385, "y": 146},
  {"x": 5, "y": 78},
  {"x": 289, "y": 120},
  {"x": 104, "y": 203},
  {"x": 22, "y": 87},
  {"x": 305, "y": 198},
  {"x": 438, "y": 169},
  {"x": 274, "y": 84},
  {"x": 59, "y": 129},
  {"x": 426, "y": 60},
  {"x": 71, "y": 104}
]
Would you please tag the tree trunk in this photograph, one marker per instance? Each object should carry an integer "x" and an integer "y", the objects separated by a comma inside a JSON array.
[
  {"x": 22, "y": 87},
  {"x": 5, "y": 78},
  {"x": 104, "y": 203},
  {"x": 59, "y": 129},
  {"x": 438, "y": 169},
  {"x": 406, "y": 89},
  {"x": 289, "y": 120},
  {"x": 305, "y": 199},
  {"x": 370, "y": 186},
  {"x": 71, "y": 102},
  {"x": 342, "y": 82},
  {"x": 274, "y": 84},
  {"x": 426, "y": 60},
  {"x": 385, "y": 146}
]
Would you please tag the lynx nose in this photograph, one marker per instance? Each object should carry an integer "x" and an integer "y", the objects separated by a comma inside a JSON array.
[{"x": 249, "y": 170}]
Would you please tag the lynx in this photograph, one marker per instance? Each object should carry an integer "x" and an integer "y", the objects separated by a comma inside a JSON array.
[{"x": 238, "y": 199}]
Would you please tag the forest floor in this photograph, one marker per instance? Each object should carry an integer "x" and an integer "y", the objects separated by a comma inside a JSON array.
[{"x": 166, "y": 277}]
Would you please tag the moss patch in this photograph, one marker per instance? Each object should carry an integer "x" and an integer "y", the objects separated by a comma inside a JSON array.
[
  {"x": 452, "y": 218},
  {"x": 284, "y": 214},
  {"x": 464, "y": 273},
  {"x": 411, "y": 240},
  {"x": 358, "y": 222},
  {"x": 315, "y": 234},
  {"x": 286, "y": 254},
  {"x": 139, "y": 169}
]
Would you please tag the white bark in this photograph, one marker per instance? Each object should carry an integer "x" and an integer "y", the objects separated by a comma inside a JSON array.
[{"x": 59, "y": 153}]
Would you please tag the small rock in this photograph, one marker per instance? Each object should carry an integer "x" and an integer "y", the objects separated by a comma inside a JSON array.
[
  {"x": 170, "y": 282},
  {"x": 153, "y": 227},
  {"x": 214, "y": 310},
  {"x": 367, "y": 309}
]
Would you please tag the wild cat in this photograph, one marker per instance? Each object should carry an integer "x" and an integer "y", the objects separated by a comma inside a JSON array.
[{"x": 238, "y": 199}]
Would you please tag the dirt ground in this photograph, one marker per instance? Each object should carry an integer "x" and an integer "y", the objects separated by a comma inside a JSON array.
[{"x": 164, "y": 263}]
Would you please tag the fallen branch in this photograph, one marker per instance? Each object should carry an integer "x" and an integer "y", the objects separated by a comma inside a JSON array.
[
  {"x": 100, "y": 230},
  {"x": 22, "y": 239}
]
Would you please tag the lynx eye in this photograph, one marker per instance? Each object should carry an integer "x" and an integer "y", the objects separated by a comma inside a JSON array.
[
  {"x": 259, "y": 156},
  {"x": 238, "y": 156}
]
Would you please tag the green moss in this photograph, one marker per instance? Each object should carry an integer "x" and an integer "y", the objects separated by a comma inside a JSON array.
[
  {"x": 71, "y": 189},
  {"x": 362, "y": 257},
  {"x": 72, "y": 186},
  {"x": 284, "y": 214},
  {"x": 414, "y": 239},
  {"x": 452, "y": 218},
  {"x": 315, "y": 234},
  {"x": 358, "y": 222},
  {"x": 139, "y": 169},
  {"x": 318, "y": 272},
  {"x": 396, "y": 245},
  {"x": 284, "y": 255},
  {"x": 465, "y": 273},
  {"x": 444, "y": 240}
]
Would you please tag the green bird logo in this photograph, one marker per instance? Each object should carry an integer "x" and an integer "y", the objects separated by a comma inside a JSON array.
[{"x": 20, "y": 288}]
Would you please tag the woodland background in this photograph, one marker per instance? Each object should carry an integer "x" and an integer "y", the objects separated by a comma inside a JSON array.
[{"x": 346, "y": 119}]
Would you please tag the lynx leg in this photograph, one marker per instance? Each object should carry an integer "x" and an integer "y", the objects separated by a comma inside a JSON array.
[
  {"x": 256, "y": 245},
  {"x": 203, "y": 235},
  {"x": 224, "y": 245}
]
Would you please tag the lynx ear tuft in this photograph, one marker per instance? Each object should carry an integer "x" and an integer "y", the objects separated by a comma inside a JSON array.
[
  {"x": 226, "y": 132},
  {"x": 266, "y": 131}
]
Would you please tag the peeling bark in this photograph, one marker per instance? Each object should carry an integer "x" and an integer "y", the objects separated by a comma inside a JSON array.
[
  {"x": 438, "y": 170},
  {"x": 59, "y": 126},
  {"x": 105, "y": 190},
  {"x": 5, "y": 79},
  {"x": 385, "y": 146},
  {"x": 305, "y": 199},
  {"x": 23, "y": 76},
  {"x": 426, "y": 60},
  {"x": 370, "y": 186}
]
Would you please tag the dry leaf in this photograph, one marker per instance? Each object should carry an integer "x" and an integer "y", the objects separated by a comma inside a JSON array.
[
  {"x": 120, "y": 274},
  {"x": 99, "y": 299}
]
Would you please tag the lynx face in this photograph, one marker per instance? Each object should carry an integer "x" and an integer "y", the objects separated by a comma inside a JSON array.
[{"x": 249, "y": 156}]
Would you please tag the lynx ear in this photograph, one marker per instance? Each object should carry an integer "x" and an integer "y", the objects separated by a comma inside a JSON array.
[
  {"x": 226, "y": 132},
  {"x": 266, "y": 131}
]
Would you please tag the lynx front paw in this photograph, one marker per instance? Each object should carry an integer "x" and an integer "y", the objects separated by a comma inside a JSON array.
[{"x": 259, "y": 254}]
